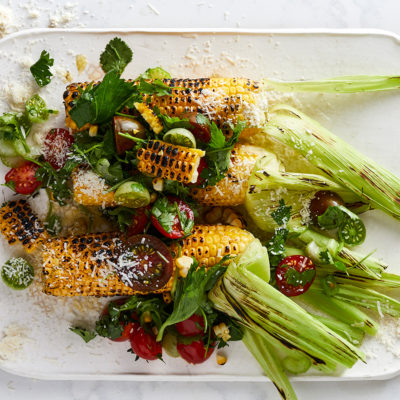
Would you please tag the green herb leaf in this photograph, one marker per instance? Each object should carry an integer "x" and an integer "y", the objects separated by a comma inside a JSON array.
[
  {"x": 186, "y": 223},
  {"x": 218, "y": 140},
  {"x": 176, "y": 188},
  {"x": 171, "y": 122},
  {"x": 10, "y": 185},
  {"x": 99, "y": 104},
  {"x": 282, "y": 214},
  {"x": 116, "y": 56},
  {"x": 108, "y": 327},
  {"x": 53, "y": 224},
  {"x": 191, "y": 292},
  {"x": 157, "y": 87},
  {"x": 276, "y": 246},
  {"x": 325, "y": 257},
  {"x": 332, "y": 218},
  {"x": 85, "y": 334},
  {"x": 124, "y": 216},
  {"x": 165, "y": 212},
  {"x": 340, "y": 266},
  {"x": 296, "y": 278},
  {"x": 41, "y": 69}
]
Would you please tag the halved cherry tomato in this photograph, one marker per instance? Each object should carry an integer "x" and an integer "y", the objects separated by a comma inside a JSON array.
[
  {"x": 24, "y": 178},
  {"x": 202, "y": 164},
  {"x": 127, "y": 327},
  {"x": 144, "y": 344},
  {"x": 195, "y": 352},
  {"x": 168, "y": 209},
  {"x": 56, "y": 147},
  {"x": 145, "y": 263},
  {"x": 295, "y": 274},
  {"x": 139, "y": 221},
  {"x": 192, "y": 326},
  {"x": 200, "y": 131}
]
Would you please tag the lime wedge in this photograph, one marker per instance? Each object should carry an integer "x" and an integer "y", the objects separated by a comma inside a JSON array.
[
  {"x": 180, "y": 137},
  {"x": 132, "y": 194},
  {"x": 17, "y": 273}
]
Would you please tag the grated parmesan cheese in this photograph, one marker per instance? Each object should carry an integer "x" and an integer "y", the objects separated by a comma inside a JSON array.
[{"x": 12, "y": 342}]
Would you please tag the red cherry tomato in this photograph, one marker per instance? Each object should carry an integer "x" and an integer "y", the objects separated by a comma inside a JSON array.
[
  {"x": 192, "y": 326},
  {"x": 202, "y": 164},
  {"x": 56, "y": 147},
  {"x": 295, "y": 275},
  {"x": 24, "y": 178},
  {"x": 200, "y": 131},
  {"x": 127, "y": 328},
  {"x": 195, "y": 352},
  {"x": 139, "y": 221},
  {"x": 176, "y": 230},
  {"x": 144, "y": 344},
  {"x": 145, "y": 263}
]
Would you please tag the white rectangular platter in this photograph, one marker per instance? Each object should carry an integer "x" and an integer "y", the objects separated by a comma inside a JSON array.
[{"x": 34, "y": 336}]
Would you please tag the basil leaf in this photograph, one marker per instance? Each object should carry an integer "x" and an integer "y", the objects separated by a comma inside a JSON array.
[{"x": 41, "y": 69}]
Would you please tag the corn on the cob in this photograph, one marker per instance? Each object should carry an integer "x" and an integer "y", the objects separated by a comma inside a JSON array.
[
  {"x": 168, "y": 161},
  {"x": 221, "y": 99},
  {"x": 150, "y": 117},
  {"x": 208, "y": 244},
  {"x": 19, "y": 224},
  {"x": 231, "y": 190},
  {"x": 85, "y": 266},
  {"x": 91, "y": 190}
]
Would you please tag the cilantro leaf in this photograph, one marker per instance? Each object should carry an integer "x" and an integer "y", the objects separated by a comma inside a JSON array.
[
  {"x": 282, "y": 214},
  {"x": 296, "y": 278},
  {"x": 325, "y": 257},
  {"x": 165, "y": 212},
  {"x": 98, "y": 104},
  {"x": 218, "y": 140},
  {"x": 41, "y": 69},
  {"x": 176, "y": 188},
  {"x": 157, "y": 87},
  {"x": 191, "y": 292},
  {"x": 332, "y": 218},
  {"x": 116, "y": 56},
  {"x": 276, "y": 246},
  {"x": 171, "y": 122},
  {"x": 107, "y": 327},
  {"x": 186, "y": 222},
  {"x": 124, "y": 216},
  {"x": 85, "y": 334}
]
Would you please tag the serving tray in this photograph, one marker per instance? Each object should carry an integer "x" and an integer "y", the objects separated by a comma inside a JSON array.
[{"x": 35, "y": 326}]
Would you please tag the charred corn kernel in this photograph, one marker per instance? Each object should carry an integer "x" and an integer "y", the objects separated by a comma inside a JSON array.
[
  {"x": 231, "y": 190},
  {"x": 147, "y": 317},
  {"x": 158, "y": 184},
  {"x": 167, "y": 297},
  {"x": 168, "y": 161},
  {"x": 221, "y": 99},
  {"x": 150, "y": 117},
  {"x": 183, "y": 264},
  {"x": 91, "y": 190},
  {"x": 221, "y": 359},
  {"x": 19, "y": 224},
  {"x": 84, "y": 266},
  {"x": 222, "y": 331},
  {"x": 209, "y": 243}
]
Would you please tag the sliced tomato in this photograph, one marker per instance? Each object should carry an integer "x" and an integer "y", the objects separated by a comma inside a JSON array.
[
  {"x": 24, "y": 178},
  {"x": 295, "y": 274},
  {"x": 144, "y": 344},
  {"x": 165, "y": 218},
  {"x": 202, "y": 164},
  {"x": 194, "y": 352},
  {"x": 145, "y": 263},
  {"x": 192, "y": 326},
  {"x": 56, "y": 147},
  {"x": 139, "y": 221},
  {"x": 199, "y": 130}
]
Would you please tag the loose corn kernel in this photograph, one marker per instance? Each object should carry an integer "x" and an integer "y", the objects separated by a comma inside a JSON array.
[
  {"x": 93, "y": 130},
  {"x": 150, "y": 117},
  {"x": 221, "y": 359},
  {"x": 158, "y": 184},
  {"x": 222, "y": 331},
  {"x": 184, "y": 263},
  {"x": 147, "y": 317}
]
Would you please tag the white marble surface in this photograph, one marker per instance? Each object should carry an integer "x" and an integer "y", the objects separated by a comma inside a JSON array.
[{"x": 381, "y": 14}]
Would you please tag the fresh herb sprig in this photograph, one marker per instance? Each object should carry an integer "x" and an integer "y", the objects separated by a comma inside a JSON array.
[{"x": 41, "y": 69}]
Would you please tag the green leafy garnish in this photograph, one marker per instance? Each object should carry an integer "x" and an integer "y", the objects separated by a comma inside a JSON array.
[
  {"x": 171, "y": 122},
  {"x": 218, "y": 152},
  {"x": 325, "y": 257},
  {"x": 157, "y": 87},
  {"x": 282, "y": 214},
  {"x": 186, "y": 222},
  {"x": 85, "y": 334},
  {"x": 116, "y": 56},
  {"x": 41, "y": 69},
  {"x": 98, "y": 104},
  {"x": 276, "y": 246},
  {"x": 191, "y": 293},
  {"x": 340, "y": 266},
  {"x": 124, "y": 216},
  {"x": 165, "y": 212},
  {"x": 296, "y": 278},
  {"x": 53, "y": 224},
  {"x": 332, "y": 218},
  {"x": 176, "y": 188}
]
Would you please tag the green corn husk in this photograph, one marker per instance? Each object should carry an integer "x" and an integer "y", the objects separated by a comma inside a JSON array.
[
  {"x": 264, "y": 353},
  {"x": 263, "y": 304},
  {"x": 341, "y": 84},
  {"x": 339, "y": 309},
  {"x": 337, "y": 159},
  {"x": 354, "y": 335},
  {"x": 371, "y": 266}
]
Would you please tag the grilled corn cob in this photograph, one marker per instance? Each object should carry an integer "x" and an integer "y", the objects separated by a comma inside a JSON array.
[
  {"x": 85, "y": 266},
  {"x": 150, "y": 117},
  {"x": 231, "y": 190},
  {"x": 209, "y": 243},
  {"x": 91, "y": 190},
  {"x": 165, "y": 160},
  {"x": 19, "y": 224},
  {"x": 221, "y": 99}
]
